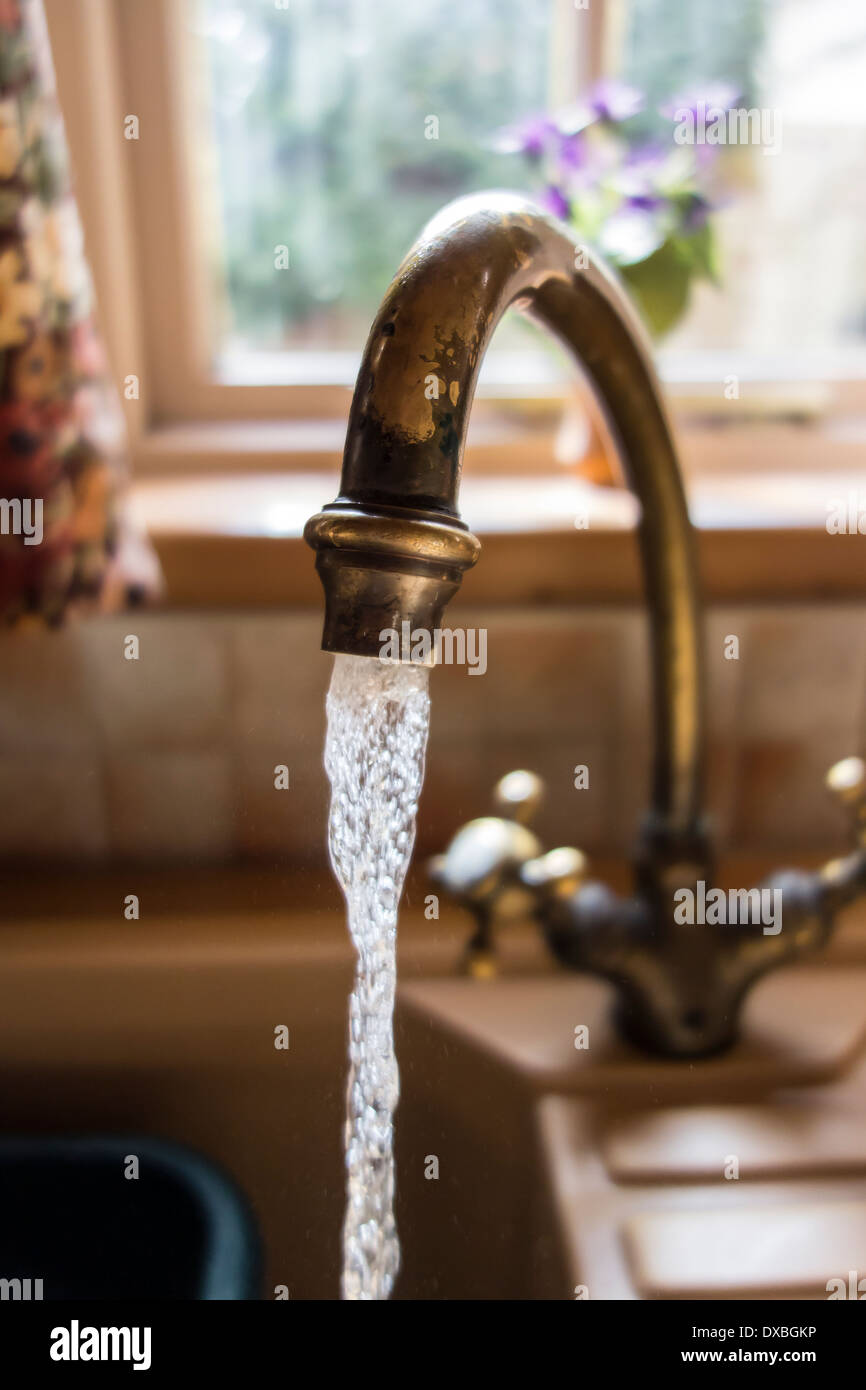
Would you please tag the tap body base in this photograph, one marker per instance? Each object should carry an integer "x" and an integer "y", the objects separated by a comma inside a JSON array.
[{"x": 681, "y": 985}]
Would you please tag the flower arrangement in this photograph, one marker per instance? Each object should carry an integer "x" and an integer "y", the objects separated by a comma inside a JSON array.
[{"x": 644, "y": 201}]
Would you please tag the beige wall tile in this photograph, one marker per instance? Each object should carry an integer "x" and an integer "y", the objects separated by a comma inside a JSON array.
[
  {"x": 279, "y": 676},
  {"x": 170, "y": 804},
  {"x": 725, "y": 687},
  {"x": 630, "y": 731},
  {"x": 45, "y": 699},
  {"x": 52, "y": 806},
  {"x": 193, "y": 730},
  {"x": 724, "y": 677},
  {"x": 804, "y": 673},
  {"x": 175, "y": 696},
  {"x": 454, "y": 790},
  {"x": 633, "y": 732},
  {"x": 269, "y": 822},
  {"x": 782, "y": 803},
  {"x": 567, "y": 816},
  {"x": 546, "y": 670}
]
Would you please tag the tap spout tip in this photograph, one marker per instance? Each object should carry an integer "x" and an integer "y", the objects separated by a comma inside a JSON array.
[{"x": 386, "y": 574}]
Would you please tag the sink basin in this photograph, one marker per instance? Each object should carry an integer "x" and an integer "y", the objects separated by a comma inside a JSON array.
[
  {"x": 556, "y": 1167},
  {"x": 599, "y": 1172},
  {"x": 70, "y": 1217},
  {"x": 168, "y": 1030}
]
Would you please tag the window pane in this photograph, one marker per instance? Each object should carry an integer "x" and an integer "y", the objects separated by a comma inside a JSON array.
[
  {"x": 335, "y": 129},
  {"x": 313, "y": 129},
  {"x": 791, "y": 233}
]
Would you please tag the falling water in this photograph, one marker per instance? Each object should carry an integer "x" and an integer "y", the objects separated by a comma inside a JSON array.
[{"x": 378, "y": 715}]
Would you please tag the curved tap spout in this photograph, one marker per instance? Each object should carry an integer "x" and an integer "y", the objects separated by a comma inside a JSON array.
[
  {"x": 392, "y": 547},
  {"x": 392, "y": 550}
]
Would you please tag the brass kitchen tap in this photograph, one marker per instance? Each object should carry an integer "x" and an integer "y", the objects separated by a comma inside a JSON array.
[{"x": 393, "y": 549}]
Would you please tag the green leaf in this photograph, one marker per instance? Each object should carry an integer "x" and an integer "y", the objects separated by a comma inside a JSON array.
[
  {"x": 660, "y": 286},
  {"x": 701, "y": 251}
]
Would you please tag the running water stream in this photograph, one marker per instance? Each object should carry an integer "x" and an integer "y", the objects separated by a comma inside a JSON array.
[{"x": 378, "y": 716}]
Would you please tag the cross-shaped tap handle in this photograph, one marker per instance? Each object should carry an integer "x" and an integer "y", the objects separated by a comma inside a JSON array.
[
  {"x": 846, "y": 781},
  {"x": 497, "y": 867}
]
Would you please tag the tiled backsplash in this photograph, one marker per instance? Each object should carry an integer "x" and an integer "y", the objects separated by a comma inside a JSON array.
[{"x": 172, "y": 756}]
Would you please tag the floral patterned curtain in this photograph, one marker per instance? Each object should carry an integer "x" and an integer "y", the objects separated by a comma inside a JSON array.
[{"x": 65, "y": 544}]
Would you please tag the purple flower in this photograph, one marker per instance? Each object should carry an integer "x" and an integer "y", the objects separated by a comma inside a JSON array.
[
  {"x": 646, "y": 202},
  {"x": 598, "y": 172},
  {"x": 632, "y": 234},
  {"x": 706, "y": 157},
  {"x": 573, "y": 120},
  {"x": 612, "y": 100},
  {"x": 648, "y": 158},
  {"x": 573, "y": 152},
  {"x": 608, "y": 101},
  {"x": 641, "y": 173},
  {"x": 696, "y": 214},
  {"x": 555, "y": 201},
  {"x": 532, "y": 137},
  {"x": 713, "y": 96}
]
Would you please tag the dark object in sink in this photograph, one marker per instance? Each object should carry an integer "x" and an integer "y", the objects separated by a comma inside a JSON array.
[{"x": 70, "y": 1217}]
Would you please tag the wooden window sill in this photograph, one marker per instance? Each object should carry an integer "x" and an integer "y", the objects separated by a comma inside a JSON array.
[{"x": 235, "y": 540}]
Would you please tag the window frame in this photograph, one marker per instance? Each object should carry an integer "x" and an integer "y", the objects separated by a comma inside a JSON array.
[{"x": 114, "y": 58}]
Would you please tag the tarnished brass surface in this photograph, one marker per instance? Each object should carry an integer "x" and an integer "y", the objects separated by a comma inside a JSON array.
[
  {"x": 393, "y": 549},
  {"x": 679, "y": 986},
  {"x": 404, "y": 449}
]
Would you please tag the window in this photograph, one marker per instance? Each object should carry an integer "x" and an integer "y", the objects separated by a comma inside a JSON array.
[
  {"x": 336, "y": 129},
  {"x": 327, "y": 131},
  {"x": 791, "y": 224}
]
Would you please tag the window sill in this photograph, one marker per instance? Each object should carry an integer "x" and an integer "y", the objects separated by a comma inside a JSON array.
[
  {"x": 515, "y": 437},
  {"x": 235, "y": 540}
]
